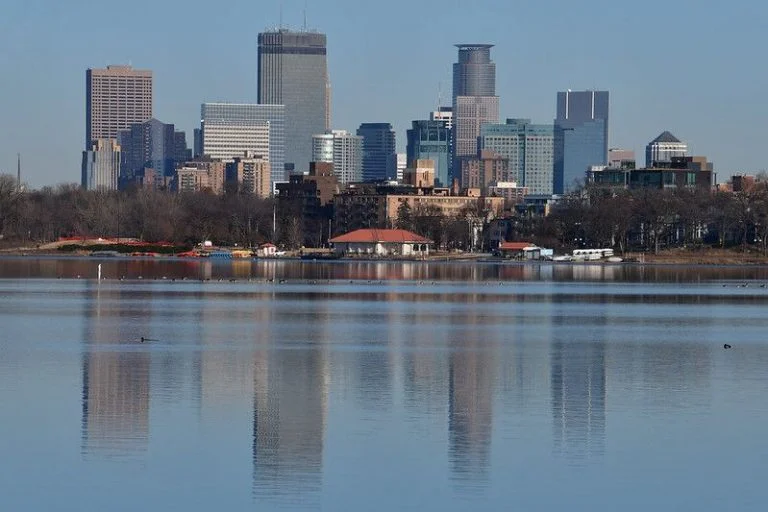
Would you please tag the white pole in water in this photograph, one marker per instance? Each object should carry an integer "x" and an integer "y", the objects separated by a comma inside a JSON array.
[{"x": 99, "y": 272}]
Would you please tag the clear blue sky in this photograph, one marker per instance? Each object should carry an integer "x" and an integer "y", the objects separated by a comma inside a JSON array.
[{"x": 677, "y": 65}]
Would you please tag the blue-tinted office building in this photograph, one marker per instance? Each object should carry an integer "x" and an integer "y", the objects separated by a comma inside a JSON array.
[
  {"x": 379, "y": 151},
  {"x": 581, "y": 136},
  {"x": 431, "y": 140},
  {"x": 529, "y": 149}
]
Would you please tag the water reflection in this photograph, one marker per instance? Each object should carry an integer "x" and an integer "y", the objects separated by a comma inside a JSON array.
[
  {"x": 290, "y": 408},
  {"x": 303, "y": 389},
  {"x": 115, "y": 383},
  {"x": 578, "y": 398},
  {"x": 176, "y": 268}
]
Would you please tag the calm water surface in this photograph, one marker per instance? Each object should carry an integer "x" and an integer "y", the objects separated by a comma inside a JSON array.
[{"x": 381, "y": 386}]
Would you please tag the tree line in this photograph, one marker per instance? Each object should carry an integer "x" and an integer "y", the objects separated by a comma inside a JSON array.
[{"x": 591, "y": 217}]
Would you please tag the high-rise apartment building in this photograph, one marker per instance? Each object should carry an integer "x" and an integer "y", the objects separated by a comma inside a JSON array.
[
  {"x": 474, "y": 97},
  {"x": 101, "y": 165},
  {"x": 663, "y": 148},
  {"x": 581, "y": 136},
  {"x": 431, "y": 140},
  {"x": 379, "y": 152},
  {"x": 251, "y": 173},
  {"x": 115, "y": 98},
  {"x": 343, "y": 150},
  {"x": 529, "y": 149},
  {"x": 154, "y": 145},
  {"x": 228, "y": 130},
  {"x": 292, "y": 71}
]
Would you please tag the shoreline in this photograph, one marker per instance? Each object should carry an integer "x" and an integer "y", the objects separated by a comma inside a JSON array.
[{"x": 707, "y": 258}]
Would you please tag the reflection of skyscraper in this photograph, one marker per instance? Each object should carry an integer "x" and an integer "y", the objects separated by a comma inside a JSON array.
[
  {"x": 289, "y": 415},
  {"x": 578, "y": 398},
  {"x": 115, "y": 396},
  {"x": 470, "y": 413}
]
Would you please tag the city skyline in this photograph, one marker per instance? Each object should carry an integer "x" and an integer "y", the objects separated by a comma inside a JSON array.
[{"x": 365, "y": 76}]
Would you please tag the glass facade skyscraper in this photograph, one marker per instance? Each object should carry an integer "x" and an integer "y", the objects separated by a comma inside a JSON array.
[
  {"x": 236, "y": 117},
  {"x": 529, "y": 149},
  {"x": 474, "y": 97},
  {"x": 152, "y": 144},
  {"x": 379, "y": 151},
  {"x": 292, "y": 71},
  {"x": 431, "y": 140},
  {"x": 581, "y": 136},
  {"x": 343, "y": 150}
]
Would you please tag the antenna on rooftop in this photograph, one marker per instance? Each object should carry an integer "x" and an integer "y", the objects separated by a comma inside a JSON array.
[
  {"x": 439, "y": 95},
  {"x": 281, "y": 16},
  {"x": 305, "y": 16}
]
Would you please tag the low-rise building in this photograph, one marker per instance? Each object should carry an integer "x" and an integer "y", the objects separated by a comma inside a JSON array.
[
  {"x": 381, "y": 242},
  {"x": 680, "y": 172},
  {"x": 519, "y": 251},
  {"x": 378, "y": 206}
]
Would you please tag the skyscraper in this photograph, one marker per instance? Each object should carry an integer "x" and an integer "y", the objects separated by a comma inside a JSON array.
[
  {"x": 101, "y": 165},
  {"x": 379, "y": 152},
  {"x": 529, "y": 148},
  {"x": 115, "y": 98},
  {"x": 431, "y": 140},
  {"x": 292, "y": 71},
  {"x": 581, "y": 136},
  {"x": 224, "y": 126},
  {"x": 474, "y": 97},
  {"x": 663, "y": 148},
  {"x": 152, "y": 144},
  {"x": 342, "y": 149}
]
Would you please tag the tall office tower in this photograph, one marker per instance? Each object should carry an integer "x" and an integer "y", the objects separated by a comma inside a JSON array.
[
  {"x": 101, "y": 165},
  {"x": 474, "y": 97},
  {"x": 379, "y": 152},
  {"x": 230, "y": 129},
  {"x": 581, "y": 136},
  {"x": 431, "y": 140},
  {"x": 529, "y": 148},
  {"x": 115, "y": 98},
  {"x": 292, "y": 71},
  {"x": 342, "y": 149},
  {"x": 154, "y": 145},
  {"x": 663, "y": 148}
]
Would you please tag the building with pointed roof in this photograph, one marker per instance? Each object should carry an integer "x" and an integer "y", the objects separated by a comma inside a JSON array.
[
  {"x": 661, "y": 149},
  {"x": 381, "y": 242}
]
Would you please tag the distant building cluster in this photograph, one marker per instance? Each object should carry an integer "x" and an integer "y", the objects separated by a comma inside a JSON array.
[{"x": 458, "y": 157}]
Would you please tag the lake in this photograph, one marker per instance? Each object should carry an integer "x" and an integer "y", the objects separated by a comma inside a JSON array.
[{"x": 294, "y": 385}]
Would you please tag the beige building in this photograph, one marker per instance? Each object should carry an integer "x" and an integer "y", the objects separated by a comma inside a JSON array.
[
  {"x": 483, "y": 170},
  {"x": 116, "y": 98},
  {"x": 199, "y": 175},
  {"x": 251, "y": 172},
  {"x": 421, "y": 175},
  {"x": 509, "y": 190},
  {"x": 380, "y": 208}
]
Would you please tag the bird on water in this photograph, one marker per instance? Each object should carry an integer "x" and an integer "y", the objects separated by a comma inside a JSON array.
[{"x": 726, "y": 346}]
